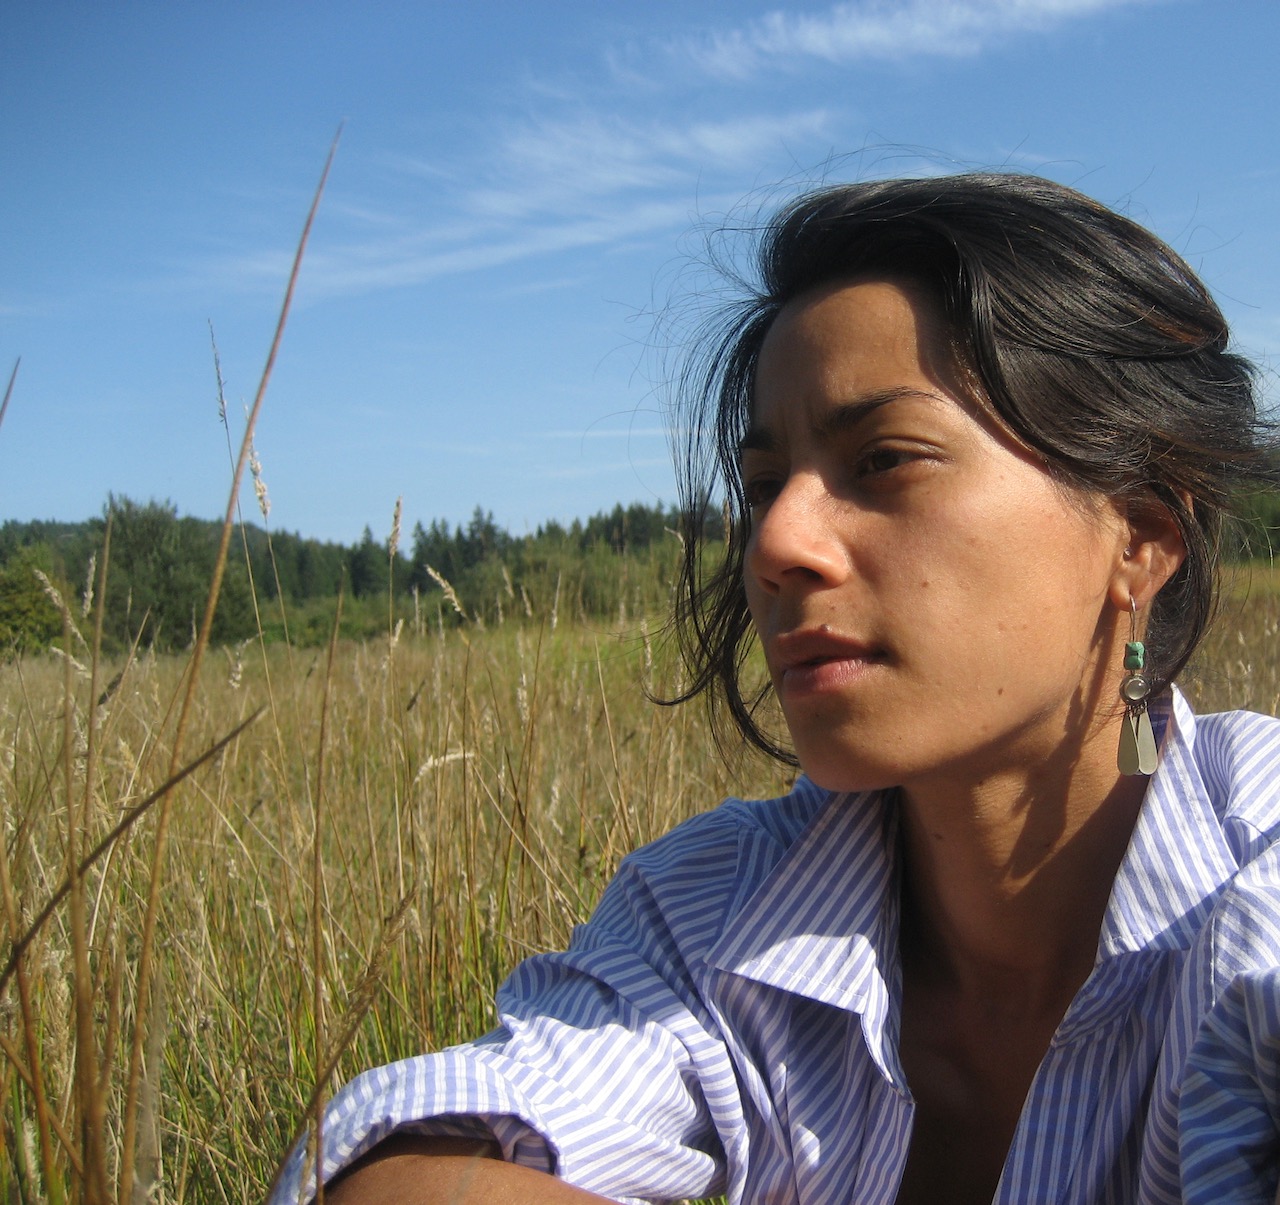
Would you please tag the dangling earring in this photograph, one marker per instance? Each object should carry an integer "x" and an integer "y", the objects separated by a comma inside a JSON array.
[{"x": 1137, "y": 753}]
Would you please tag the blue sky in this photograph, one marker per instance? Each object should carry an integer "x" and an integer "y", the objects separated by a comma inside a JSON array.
[{"x": 519, "y": 190}]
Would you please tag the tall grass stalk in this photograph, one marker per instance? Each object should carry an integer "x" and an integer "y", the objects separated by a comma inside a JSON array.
[
  {"x": 316, "y": 1105},
  {"x": 89, "y": 1078},
  {"x": 8, "y": 391},
  {"x": 145, "y": 968}
]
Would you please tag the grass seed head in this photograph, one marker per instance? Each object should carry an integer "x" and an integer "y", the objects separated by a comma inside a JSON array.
[{"x": 394, "y": 543}]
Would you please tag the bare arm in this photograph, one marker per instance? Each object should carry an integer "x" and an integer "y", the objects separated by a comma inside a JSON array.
[{"x": 413, "y": 1170}]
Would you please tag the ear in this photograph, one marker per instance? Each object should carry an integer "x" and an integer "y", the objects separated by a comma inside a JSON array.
[{"x": 1153, "y": 554}]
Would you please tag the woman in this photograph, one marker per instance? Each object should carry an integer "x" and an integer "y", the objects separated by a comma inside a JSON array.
[{"x": 981, "y": 435}]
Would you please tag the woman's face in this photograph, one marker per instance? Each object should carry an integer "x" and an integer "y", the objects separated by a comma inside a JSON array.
[{"x": 930, "y": 602}]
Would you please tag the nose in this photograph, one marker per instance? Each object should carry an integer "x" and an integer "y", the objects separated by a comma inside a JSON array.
[{"x": 794, "y": 540}]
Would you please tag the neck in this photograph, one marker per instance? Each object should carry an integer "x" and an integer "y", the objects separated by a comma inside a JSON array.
[{"x": 1007, "y": 878}]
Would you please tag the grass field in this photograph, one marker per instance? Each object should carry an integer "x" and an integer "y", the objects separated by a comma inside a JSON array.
[
  {"x": 344, "y": 883},
  {"x": 1238, "y": 665}
]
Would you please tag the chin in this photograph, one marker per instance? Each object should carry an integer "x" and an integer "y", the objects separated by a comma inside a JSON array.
[
  {"x": 848, "y": 774},
  {"x": 842, "y": 749}
]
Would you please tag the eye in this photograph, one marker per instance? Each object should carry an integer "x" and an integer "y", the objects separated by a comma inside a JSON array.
[
  {"x": 759, "y": 491},
  {"x": 882, "y": 460}
]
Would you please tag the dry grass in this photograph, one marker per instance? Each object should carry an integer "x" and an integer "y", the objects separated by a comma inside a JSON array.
[
  {"x": 478, "y": 788},
  {"x": 1239, "y": 663}
]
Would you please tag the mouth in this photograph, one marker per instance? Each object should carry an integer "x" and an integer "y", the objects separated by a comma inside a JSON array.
[{"x": 816, "y": 660}]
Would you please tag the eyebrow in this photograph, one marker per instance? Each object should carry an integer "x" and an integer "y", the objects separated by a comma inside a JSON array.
[{"x": 837, "y": 420}]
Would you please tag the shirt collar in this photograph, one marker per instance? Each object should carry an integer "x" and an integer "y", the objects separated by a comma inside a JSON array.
[{"x": 824, "y": 922}]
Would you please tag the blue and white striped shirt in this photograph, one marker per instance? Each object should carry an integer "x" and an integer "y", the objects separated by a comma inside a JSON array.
[{"x": 727, "y": 1020}]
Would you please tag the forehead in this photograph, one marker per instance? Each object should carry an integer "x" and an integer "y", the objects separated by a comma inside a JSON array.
[
  {"x": 878, "y": 307},
  {"x": 849, "y": 340},
  {"x": 840, "y": 352}
]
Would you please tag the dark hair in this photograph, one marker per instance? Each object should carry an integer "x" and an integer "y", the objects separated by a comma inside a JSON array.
[{"x": 1086, "y": 336}]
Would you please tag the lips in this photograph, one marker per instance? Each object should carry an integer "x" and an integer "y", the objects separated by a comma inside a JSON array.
[{"x": 809, "y": 660}]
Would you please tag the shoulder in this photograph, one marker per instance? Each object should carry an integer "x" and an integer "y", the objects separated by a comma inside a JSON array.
[
  {"x": 1216, "y": 823},
  {"x": 714, "y": 850},
  {"x": 1244, "y": 928},
  {"x": 1238, "y": 756},
  {"x": 647, "y": 941},
  {"x": 690, "y": 881},
  {"x": 774, "y": 823}
]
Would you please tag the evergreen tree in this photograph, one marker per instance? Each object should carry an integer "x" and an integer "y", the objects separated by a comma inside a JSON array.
[{"x": 366, "y": 566}]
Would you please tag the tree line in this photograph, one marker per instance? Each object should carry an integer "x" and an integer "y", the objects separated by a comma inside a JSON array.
[
  {"x": 159, "y": 566},
  {"x": 620, "y": 562}
]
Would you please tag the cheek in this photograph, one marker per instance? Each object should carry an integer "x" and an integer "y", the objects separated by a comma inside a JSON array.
[
  {"x": 1051, "y": 618},
  {"x": 1030, "y": 589}
]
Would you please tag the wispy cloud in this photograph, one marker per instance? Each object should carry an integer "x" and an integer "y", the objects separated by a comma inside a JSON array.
[
  {"x": 564, "y": 184},
  {"x": 371, "y": 265},
  {"x": 559, "y": 165},
  {"x": 878, "y": 29},
  {"x": 578, "y": 169}
]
